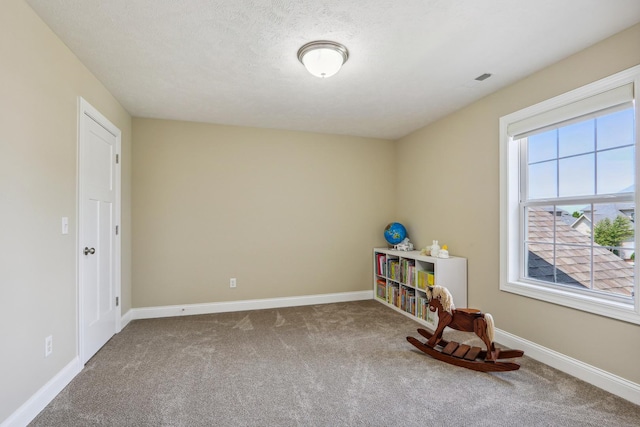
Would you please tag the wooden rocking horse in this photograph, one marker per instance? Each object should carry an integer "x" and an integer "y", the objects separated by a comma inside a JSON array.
[{"x": 466, "y": 320}]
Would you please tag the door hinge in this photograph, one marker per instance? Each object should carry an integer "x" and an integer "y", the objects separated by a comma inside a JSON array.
[
  {"x": 117, "y": 301},
  {"x": 117, "y": 158},
  {"x": 117, "y": 229}
]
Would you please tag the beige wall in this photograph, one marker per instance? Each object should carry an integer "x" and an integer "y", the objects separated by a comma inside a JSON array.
[
  {"x": 40, "y": 81},
  {"x": 461, "y": 208},
  {"x": 286, "y": 213}
]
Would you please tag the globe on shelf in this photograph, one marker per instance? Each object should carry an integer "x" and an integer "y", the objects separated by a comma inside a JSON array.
[{"x": 395, "y": 233}]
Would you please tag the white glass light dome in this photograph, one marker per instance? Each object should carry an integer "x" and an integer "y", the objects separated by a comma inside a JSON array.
[{"x": 323, "y": 58}]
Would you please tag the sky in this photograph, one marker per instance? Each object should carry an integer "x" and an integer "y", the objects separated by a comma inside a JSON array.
[{"x": 594, "y": 156}]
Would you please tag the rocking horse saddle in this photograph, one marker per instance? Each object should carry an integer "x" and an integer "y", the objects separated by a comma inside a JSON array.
[{"x": 473, "y": 311}]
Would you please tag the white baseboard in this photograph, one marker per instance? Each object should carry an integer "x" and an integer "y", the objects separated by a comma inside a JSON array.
[
  {"x": 125, "y": 319},
  {"x": 605, "y": 380},
  {"x": 256, "y": 304},
  {"x": 36, "y": 403}
]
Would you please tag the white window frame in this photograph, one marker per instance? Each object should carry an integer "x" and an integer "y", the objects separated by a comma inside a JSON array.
[{"x": 511, "y": 221}]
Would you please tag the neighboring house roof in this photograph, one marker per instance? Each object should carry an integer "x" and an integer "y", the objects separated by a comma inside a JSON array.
[
  {"x": 611, "y": 211},
  {"x": 581, "y": 220},
  {"x": 611, "y": 274}
]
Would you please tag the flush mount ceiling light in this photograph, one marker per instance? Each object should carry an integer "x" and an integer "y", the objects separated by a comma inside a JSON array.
[{"x": 323, "y": 58}]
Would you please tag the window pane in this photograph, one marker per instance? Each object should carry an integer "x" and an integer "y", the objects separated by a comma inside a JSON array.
[
  {"x": 611, "y": 273},
  {"x": 559, "y": 264},
  {"x": 577, "y": 138},
  {"x": 581, "y": 222},
  {"x": 572, "y": 227},
  {"x": 540, "y": 224},
  {"x": 615, "y": 129},
  {"x": 616, "y": 171},
  {"x": 556, "y": 263},
  {"x": 573, "y": 266},
  {"x": 543, "y": 180},
  {"x": 543, "y": 146},
  {"x": 540, "y": 260},
  {"x": 577, "y": 176},
  {"x": 614, "y": 227},
  {"x": 614, "y": 250}
]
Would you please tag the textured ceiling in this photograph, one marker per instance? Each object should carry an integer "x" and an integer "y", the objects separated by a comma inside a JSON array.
[{"x": 234, "y": 62}]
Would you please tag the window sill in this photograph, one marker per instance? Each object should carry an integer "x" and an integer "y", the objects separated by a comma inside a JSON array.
[{"x": 591, "y": 304}]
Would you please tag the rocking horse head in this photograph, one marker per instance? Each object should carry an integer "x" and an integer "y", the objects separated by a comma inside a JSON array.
[{"x": 439, "y": 295}]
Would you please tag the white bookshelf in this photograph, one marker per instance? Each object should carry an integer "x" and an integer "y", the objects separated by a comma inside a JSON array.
[{"x": 399, "y": 277}]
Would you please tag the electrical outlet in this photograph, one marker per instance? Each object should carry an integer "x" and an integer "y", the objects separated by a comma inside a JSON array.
[
  {"x": 232, "y": 282},
  {"x": 48, "y": 346}
]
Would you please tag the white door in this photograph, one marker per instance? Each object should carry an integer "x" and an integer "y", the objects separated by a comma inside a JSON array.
[{"x": 98, "y": 208}]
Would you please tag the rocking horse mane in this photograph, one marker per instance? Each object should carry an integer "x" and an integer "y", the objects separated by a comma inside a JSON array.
[{"x": 443, "y": 294}]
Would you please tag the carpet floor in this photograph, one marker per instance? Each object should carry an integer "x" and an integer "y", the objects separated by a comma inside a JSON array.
[{"x": 345, "y": 364}]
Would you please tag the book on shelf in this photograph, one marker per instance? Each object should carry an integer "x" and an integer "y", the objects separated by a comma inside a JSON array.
[
  {"x": 422, "y": 309},
  {"x": 407, "y": 299},
  {"x": 425, "y": 278},
  {"x": 381, "y": 264},
  {"x": 393, "y": 269},
  {"x": 407, "y": 271},
  {"x": 421, "y": 279},
  {"x": 381, "y": 289},
  {"x": 393, "y": 294}
]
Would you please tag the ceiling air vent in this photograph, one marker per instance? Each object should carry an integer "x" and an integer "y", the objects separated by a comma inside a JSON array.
[{"x": 483, "y": 77}]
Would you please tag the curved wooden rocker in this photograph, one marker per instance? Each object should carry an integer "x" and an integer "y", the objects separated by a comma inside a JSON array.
[{"x": 466, "y": 320}]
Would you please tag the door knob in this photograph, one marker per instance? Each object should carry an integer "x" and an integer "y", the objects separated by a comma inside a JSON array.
[{"x": 88, "y": 251}]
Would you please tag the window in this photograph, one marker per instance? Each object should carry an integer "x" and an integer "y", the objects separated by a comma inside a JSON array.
[{"x": 568, "y": 191}]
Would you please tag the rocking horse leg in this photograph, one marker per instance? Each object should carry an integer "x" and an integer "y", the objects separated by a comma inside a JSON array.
[
  {"x": 443, "y": 321},
  {"x": 480, "y": 329}
]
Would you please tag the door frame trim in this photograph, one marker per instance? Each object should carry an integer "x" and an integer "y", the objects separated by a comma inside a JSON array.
[{"x": 87, "y": 110}]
